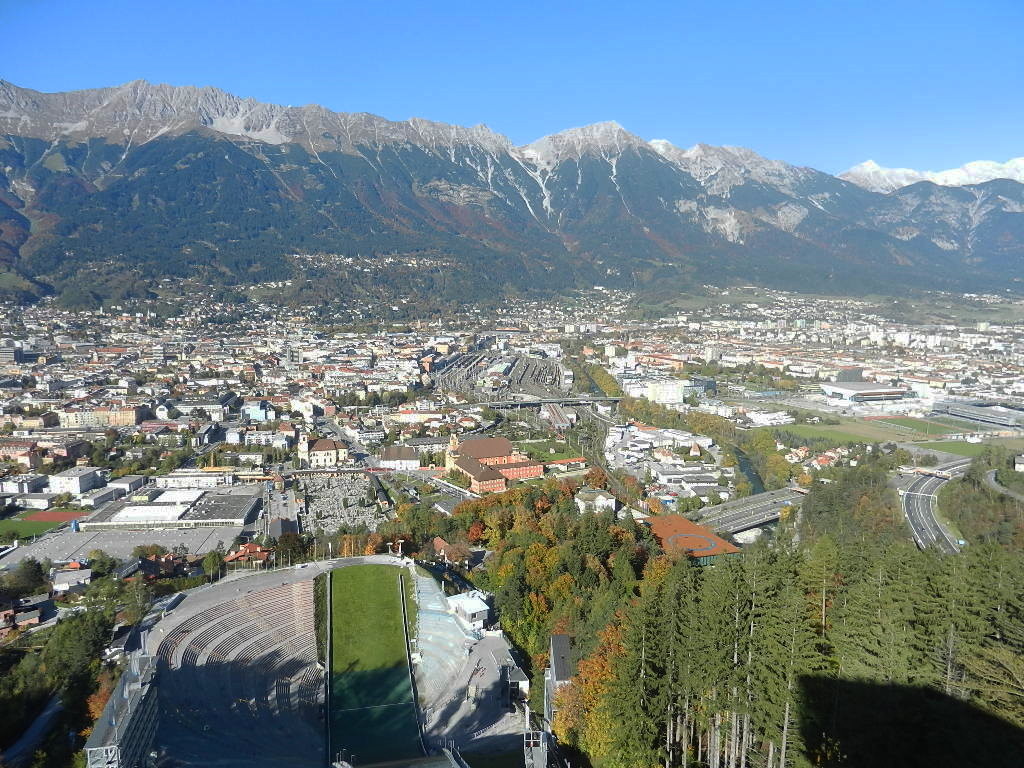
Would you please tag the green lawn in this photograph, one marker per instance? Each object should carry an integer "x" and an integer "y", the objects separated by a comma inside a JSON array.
[
  {"x": 541, "y": 451},
  {"x": 919, "y": 425},
  {"x": 957, "y": 447},
  {"x": 837, "y": 433},
  {"x": 26, "y": 528},
  {"x": 372, "y": 711},
  {"x": 960, "y": 448},
  {"x": 895, "y": 429},
  {"x": 1011, "y": 479},
  {"x": 960, "y": 425}
]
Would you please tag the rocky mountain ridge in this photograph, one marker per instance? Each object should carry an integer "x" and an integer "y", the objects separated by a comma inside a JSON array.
[{"x": 153, "y": 180}]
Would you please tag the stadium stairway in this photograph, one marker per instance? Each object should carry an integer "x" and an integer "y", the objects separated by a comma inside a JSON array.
[{"x": 441, "y": 642}]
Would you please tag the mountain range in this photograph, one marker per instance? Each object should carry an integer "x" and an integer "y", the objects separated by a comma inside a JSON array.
[
  {"x": 103, "y": 192},
  {"x": 871, "y": 175}
]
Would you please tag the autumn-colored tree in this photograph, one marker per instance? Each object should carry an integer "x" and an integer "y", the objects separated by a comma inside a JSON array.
[
  {"x": 596, "y": 478},
  {"x": 373, "y": 544},
  {"x": 476, "y": 531},
  {"x": 632, "y": 486},
  {"x": 97, "y": 700},
  {"x": 457, "y": 551},
  {"x": 583, "y": 719}
]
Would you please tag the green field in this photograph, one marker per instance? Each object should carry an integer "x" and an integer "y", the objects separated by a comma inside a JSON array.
[
  {"x": 25, "y": 528},
  {"x": 896, "y": 429},
  {"x": 918, "y": 425},
  {"x": 838, "y": 433},
  {"x": 372, "y": 711},
  {"x": 541, "y": 450},
  {"x": 960, "y": 425},
  {"x": 957, "y": 447},
  {"x": 960, "y": 448}
]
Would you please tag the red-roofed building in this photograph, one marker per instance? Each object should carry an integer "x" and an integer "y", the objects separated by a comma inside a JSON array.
[
  {"x": 252, "y": 555},
  {"x": 489, "y": 462},
  {"x": 677, "y": 534}
]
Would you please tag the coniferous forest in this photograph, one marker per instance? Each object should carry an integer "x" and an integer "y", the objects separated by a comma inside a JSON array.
[{"x": 834, "y": 642}]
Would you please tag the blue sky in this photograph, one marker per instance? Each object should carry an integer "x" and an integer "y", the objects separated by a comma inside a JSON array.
[{"x": 826, "y": 83}]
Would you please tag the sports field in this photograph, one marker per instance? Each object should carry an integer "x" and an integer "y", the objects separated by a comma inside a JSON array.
[
  {"x": 25, "y": 528},
  {"x": 961, "y": 425},
  {"x": 372, "y": 711},
  {"x": 957, "y": 447}
]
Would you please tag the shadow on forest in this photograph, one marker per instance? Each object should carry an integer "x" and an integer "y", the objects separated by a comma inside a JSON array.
[{"x": 859, "y": 724}]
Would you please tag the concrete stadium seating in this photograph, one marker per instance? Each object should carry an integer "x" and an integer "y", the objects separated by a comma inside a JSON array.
[{"x": 239, "y": 682}]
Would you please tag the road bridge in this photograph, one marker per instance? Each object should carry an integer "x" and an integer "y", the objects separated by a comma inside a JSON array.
[{"x": 749, "y": 512}]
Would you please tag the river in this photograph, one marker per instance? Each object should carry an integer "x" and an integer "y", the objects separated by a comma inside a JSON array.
[{"x": 757, "y": 486}]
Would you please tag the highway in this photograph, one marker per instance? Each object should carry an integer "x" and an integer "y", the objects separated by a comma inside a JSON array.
[
  {"x": 919, "y": 502},
  {"x": 748, "y": 512}
]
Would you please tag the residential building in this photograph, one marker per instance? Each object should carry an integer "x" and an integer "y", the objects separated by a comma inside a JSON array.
[
  {"x": 323, "y": 454},
  {"x": 595, "y": 500},
  {"x": 77, "y": 480},
  {"x": 400, "y": 457},
  {"x": 71, "y": 580}
]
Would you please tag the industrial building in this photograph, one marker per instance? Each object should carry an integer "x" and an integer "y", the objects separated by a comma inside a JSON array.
[
  {"x": 155, "y": 508},
  {"x": 863, "y": 391},
  {"x": 985, "y": 413}
]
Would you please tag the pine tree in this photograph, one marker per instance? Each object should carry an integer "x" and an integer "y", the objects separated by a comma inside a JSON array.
[{"x": 638, "y": 689}]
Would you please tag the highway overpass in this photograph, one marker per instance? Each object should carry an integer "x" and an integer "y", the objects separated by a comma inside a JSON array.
[{"x": 749, "y": 512}]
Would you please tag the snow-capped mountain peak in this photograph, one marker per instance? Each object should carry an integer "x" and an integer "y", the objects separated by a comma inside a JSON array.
[
  {"x": 602, "y": 138},
  {"x": 877, "y": 178}
]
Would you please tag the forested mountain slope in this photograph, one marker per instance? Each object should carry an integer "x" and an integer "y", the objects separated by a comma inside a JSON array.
[{"x": 140, "y": 181}]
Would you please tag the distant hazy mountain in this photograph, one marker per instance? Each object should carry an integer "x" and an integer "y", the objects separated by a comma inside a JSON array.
[
  {"x": 871, "y": 175},
  {"x": 106, "y": 190}
]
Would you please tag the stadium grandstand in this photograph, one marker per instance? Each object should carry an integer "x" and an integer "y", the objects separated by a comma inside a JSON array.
[{"x": 239, "y": 683}]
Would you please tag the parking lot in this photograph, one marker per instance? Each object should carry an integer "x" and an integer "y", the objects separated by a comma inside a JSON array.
[{"x": 66, "y": 545}]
